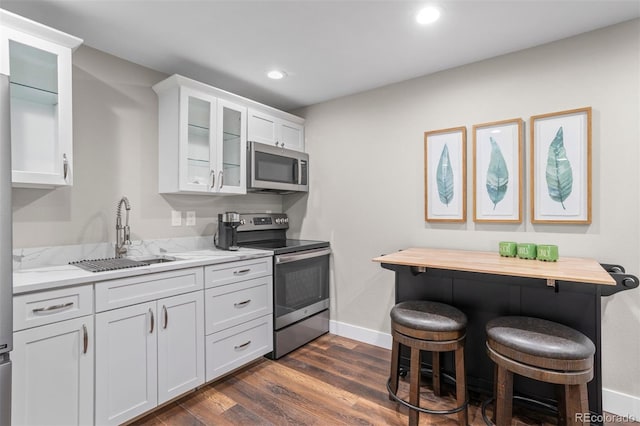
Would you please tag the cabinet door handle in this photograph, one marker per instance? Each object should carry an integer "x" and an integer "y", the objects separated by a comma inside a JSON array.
[
  {"x": 166, "y": 316},
  {"x": 221, "y": 179},
  {"x": 85, "y": 339},
  {"x": 48, "y": 309},
  {"x": 241, "y": 272},
  {"x": 212, "y": 175},
  {"x": 277, "y": 143},
  {"x": 242, "y": 304},
  {"x": 244, "y": 345},
  {"x": 153, "y": 321},
  {"x": 65, "y": 166}
]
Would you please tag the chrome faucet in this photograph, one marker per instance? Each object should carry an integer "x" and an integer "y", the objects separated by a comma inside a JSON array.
[{"x": 123, "y": 236}]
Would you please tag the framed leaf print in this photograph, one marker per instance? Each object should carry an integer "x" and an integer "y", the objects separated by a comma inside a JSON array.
[
  {"x": 561, "y": 167},
  {"x": 497, "y": 172},
  {"x": 445, "y": 175}
]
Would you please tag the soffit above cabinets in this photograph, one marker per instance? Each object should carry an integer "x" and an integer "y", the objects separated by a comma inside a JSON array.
[{"x": 328, "y": 49}]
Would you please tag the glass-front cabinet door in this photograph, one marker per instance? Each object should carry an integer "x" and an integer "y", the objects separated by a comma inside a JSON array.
[
  {"x": 40, "y": 102},
  {"x": 198, "y": 155},
  {"x": 202, "y": 139},
  {"x": 232, "y": 147}
]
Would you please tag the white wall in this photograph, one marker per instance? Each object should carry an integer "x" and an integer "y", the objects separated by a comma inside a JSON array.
[
  {"x": 367, "y": 189},
  {"x": 115, "y": 142}
]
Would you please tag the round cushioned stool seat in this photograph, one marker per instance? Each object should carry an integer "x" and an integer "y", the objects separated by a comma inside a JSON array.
[
  {"x": 428, "y": 316},
  {"x": 540, "y": 350},
  {"x": 535, "y": 341}
]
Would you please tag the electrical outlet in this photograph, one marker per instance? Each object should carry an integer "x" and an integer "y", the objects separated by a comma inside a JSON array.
[
  {"x": 191, "y": 218},
  {"x": 176, "y": 218}
]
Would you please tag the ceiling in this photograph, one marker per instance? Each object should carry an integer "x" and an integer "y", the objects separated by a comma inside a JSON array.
[{"x": 328, "y": 48}]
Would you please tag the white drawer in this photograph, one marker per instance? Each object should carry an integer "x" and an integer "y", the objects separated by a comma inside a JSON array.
[
  {"x": 225, "y": 273},
  {"x": 130, "y": 291},
  {"x": 237, "y": 346},
  {"x": 46, "y": 307},
  {"x": 233, "y": 304}
]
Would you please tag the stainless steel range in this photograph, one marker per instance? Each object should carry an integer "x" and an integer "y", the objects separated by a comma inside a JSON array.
[{"x": 300, "y": 280}]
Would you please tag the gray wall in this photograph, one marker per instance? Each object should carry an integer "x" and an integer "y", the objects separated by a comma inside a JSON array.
[
  {"x": 115, "y": 142},
  {"x": 367, "y": 174}
]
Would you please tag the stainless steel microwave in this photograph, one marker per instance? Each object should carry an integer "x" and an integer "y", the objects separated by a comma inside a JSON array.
[{"x": 274, "y": 169}]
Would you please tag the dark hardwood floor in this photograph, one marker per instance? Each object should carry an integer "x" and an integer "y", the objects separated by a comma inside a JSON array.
[{"x": 330, "y": 381}]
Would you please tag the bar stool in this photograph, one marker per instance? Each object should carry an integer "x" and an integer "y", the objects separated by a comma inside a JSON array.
[
  {"x": 428, "y": 326},
  {"x": 541, "y": 350}
]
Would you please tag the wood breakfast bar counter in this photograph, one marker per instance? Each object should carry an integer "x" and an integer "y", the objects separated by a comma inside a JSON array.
[{"x": 485, "y": 285}]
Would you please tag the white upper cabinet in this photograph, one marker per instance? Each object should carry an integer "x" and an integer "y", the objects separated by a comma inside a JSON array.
[
  {"x": 271, "y": 130},
  {"x": 38, "y": 62},
  {"x": 202, "y": 140}
]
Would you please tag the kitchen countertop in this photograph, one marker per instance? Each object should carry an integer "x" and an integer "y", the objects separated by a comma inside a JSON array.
[
  {"x": 52, "y": 277},
  {"x": 573, "y": 269}
]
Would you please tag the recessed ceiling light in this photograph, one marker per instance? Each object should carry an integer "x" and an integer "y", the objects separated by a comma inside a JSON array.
[
  {"x": 276, "y": 74},
  {"x": 428, "y": 15}
]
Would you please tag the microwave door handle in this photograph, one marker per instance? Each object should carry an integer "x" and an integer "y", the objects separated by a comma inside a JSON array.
[
  {"x": 299, "y": 172},
  {"x": 296, "y": 172}
]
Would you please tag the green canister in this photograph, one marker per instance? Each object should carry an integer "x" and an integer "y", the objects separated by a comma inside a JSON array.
[
  {"x": 548, "y": 253},
  {"x": 508, "y": 248},
  {"x": 527, "y": 251}
]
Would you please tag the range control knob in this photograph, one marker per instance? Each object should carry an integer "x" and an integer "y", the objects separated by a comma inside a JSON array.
[
  {"x": 242, "y": 221},
  {"x": 285, "y": 220},
  {"x": 278, "y": 221}
]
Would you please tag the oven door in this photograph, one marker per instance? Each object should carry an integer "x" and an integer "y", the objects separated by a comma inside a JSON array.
[{"x": 301, "y": 285}]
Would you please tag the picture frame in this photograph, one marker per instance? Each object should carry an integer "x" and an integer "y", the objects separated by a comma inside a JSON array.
[
  {"x": 561, "y": 167},
  {"x": 445, "y": 175},
  {"x": 498, "y": 171}
]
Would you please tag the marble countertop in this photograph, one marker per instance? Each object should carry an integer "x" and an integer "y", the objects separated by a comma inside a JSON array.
[{"x": 52, "y": 277}]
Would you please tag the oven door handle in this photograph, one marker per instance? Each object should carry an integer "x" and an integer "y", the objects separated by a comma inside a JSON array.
[{"x": 286, "y": 258}]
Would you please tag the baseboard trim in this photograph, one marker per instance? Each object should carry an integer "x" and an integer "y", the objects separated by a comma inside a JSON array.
[
  {"x": 616, "y": 403},
  {"x": 360, "y": 334},
  {"x": 620, "y": 404}
]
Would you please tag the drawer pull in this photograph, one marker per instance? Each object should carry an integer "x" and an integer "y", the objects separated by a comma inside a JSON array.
[
  {"x": 52, "y": 308},
  {"x": 241, "y": 272},
  {"x": 242, "y": 346},
  {"x": 242, "y": 304},
  {"x": 85, "y": 339},
  {"x": 153, "y": 321}
]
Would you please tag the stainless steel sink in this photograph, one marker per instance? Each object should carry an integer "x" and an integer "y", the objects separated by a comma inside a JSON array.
[
  {"x": 112, "y": 264},
  {"x": 157, "y": 259}
]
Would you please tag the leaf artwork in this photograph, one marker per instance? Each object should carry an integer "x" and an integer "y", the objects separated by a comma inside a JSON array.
[
  {"x": 559, "y": 175},
  {"x": 497, "y": 174},
  {"x": 444, "y": 177}
]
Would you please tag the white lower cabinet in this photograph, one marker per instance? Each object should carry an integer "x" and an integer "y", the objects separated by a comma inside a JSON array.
[
  {"x": 147, "y": 354},
  {"x": 238, "y": 314},
  {"x": 53, "y": 374},
  {"x": 239, "y": 345},
  {"x": 180, "y": 345},
  {"x": 126, "y": 363},
  {"x": 147, "y": 343}
]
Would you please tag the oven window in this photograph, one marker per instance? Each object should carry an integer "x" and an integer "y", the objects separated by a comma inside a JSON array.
[
  {"x": 300, "y": 284},
  {"x": 275, "y": 168}
]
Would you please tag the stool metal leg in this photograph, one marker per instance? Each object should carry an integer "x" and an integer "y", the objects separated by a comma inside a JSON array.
[
  {"x": 414, "y": 388},
  {"x": 504, "y": 397},
  {"x": 461, "y": 386},
  {"x": 395, "y": 360},
  {"x": 435, "y": 372}
]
